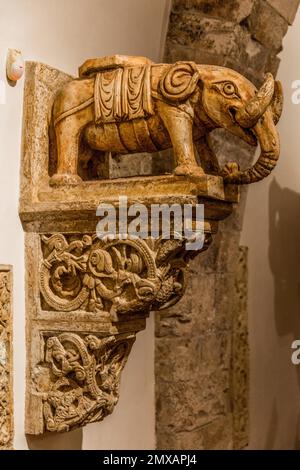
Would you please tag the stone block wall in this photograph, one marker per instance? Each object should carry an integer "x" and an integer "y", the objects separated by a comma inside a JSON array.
[
  {"x": 201, "y": 357},
  {"x": 243, "y": 34}
]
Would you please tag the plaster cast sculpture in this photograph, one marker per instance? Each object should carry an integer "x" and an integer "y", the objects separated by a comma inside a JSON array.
[
  {"x": 127, "y": 105},
  {"x": 6, "y": 392},
  {"x": 86, "y": 298}
]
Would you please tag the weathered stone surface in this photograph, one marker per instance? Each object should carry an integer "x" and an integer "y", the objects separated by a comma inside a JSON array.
[
  {"x": 193, "y": 30},
  {"x": 194, "y": 406},
  {"x": 273, "y": 64},
  {"x": 234, "y": 10},
  {"x": 240, "y": 354},
  {"x": 208, "y": 352},
  {"x": 210, "y": 32},
  {"x": 215, "y": 435},
  {"x": 215, "y": 41},
  {"x": 131, "y": 165},
  {"x": 6, "y": 359},
  {"x": 286, "y": 8},
  {"x": 267, "y": 26},
  {"x": 204, "y": 308},
  {"x": 201, "y": 364},
  {"x": 219, "y": 258}
]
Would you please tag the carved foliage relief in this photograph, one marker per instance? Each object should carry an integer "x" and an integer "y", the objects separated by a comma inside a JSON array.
[
  {"x": 110, "y": 278},
  {"x": 6, "y": 403},
  {"x": 77, "y": 373},
  {"x": 79, "y": 378}
]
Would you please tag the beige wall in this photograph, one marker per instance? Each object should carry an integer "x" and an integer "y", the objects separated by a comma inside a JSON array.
[
  {"x": 272, "y": 232},
  {"x": 63, "y": 33}
]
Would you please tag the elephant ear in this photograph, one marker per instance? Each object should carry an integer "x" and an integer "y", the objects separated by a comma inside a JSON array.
[{"x": 179, "y": 82}]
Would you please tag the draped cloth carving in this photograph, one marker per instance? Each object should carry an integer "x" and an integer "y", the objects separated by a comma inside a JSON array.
[{"x": 123, "y": 93}]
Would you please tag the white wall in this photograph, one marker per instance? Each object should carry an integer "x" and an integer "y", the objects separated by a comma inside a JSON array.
[
  {"x": 272, "y": 232},
  {"x": 63, "y": 33}
]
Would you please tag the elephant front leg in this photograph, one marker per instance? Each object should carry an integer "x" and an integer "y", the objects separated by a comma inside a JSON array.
[
  {"x": 207, "y": 156},
  {"x": 179, "y": 125},
  {"x": 68, "y": 132}
]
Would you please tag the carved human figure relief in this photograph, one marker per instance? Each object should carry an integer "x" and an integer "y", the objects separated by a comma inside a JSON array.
[
  {"x": 6, "y": 394},
  {"x": 129, "y": 105}
]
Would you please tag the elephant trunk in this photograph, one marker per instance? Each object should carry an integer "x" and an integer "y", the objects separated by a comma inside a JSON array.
[{"x": 268, "y": 139}]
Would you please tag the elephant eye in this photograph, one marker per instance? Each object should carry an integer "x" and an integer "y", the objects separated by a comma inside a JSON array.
[{"x": 229, "y": 89}]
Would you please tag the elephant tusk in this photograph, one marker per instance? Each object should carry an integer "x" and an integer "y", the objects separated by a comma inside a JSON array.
[{"x": 249, "y": 115}]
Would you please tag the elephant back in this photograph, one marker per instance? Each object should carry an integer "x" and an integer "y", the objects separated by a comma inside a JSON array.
[
  {"x": 179, "y": 82},
  {"x": 99, "y": 64}
]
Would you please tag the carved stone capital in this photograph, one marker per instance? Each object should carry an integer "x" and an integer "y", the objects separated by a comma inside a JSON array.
[{"x": 86, "y": 300}]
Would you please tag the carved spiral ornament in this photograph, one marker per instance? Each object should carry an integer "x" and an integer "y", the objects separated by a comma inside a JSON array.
[
  {"x": 84, "y": 378},
  {"x": 109, "y": 277}
]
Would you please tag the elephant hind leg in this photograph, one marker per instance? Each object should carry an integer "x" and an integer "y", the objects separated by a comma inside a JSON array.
[{"x": 68, "y": 132}]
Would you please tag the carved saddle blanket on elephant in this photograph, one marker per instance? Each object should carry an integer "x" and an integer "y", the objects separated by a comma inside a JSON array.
[{"x": 123, "y": 93}]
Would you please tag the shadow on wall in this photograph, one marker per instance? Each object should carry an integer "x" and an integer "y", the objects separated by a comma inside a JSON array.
[
  {"x": 284, "y": 259},
  {"x": 66, "y": 441}
]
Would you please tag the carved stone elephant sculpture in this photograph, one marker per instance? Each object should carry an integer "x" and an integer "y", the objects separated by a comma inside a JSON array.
[{"x": 129, "y": 105}]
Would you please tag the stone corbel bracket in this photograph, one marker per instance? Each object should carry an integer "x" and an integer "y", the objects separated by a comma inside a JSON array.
[{"x": 85, "y": 298}]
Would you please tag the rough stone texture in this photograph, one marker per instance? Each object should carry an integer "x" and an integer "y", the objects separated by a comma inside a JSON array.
[
  {"x": 240, "y": 354},
  {"x": 202, "y": 398},
  {"x": 259, "y": 23},
  {"x": 245, "y": 35},
  {"x": 6, "y": 359},
  {"x": 203, "y": 404},
  {"x": 286, "y": 8},
  {"x": 233, "y": 9}
]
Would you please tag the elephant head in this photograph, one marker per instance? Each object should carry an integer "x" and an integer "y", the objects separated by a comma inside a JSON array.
[{"x": 228, "y": 100}]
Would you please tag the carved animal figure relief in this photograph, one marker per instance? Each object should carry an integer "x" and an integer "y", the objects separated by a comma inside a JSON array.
[
  {"x": 83, "y": 376},
  {"x": 129, "y": 105},
  {"x": 111, "y": 278}
]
